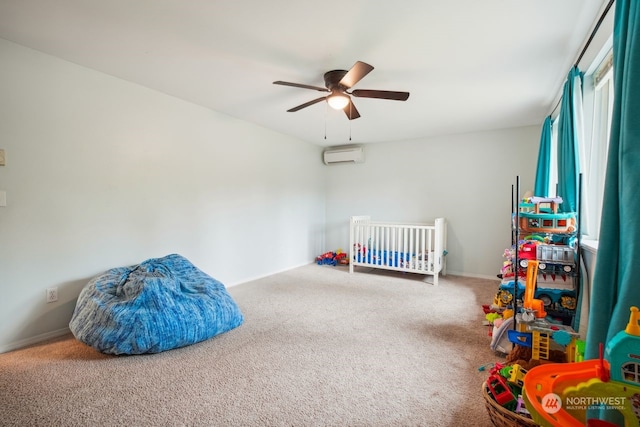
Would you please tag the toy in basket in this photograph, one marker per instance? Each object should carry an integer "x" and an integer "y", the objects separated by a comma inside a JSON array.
[
  {"x": 501, "y": 416},
  {"x": 560, "y": 394},
  {"x": 501, "y": 393}
]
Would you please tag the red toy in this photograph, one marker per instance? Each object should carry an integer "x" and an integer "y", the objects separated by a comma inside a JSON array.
[{"x": 500, "y": 391}]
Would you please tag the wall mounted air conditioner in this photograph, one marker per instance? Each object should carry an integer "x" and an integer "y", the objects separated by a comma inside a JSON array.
[{"x": 333, "y": 156}]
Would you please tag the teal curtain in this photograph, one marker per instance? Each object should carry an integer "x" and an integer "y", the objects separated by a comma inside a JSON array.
[
  {"x": 541, "y": 187},
  {"x": 569, "y": 132},
  {"x": 616, "y": 281}
]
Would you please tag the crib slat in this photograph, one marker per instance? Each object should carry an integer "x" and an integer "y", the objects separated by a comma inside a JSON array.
[
  {"x": 390, "y": 247},
  {"x": 405, "y": 248},
  {"x": 423, "y": 250}
]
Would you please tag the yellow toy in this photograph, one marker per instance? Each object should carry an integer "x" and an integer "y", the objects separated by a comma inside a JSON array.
[
  {"x": 531, "y": 304},
  {"x": 516, "y": 375}
]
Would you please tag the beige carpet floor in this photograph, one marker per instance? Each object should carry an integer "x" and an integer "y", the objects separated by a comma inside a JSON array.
[{"x": 319, "y": 347}]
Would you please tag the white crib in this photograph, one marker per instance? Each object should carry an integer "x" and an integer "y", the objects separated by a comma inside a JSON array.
[{"x": 412, "y": 248}]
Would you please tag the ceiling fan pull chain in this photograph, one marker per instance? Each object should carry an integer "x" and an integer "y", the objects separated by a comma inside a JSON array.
[
  {"x": 325, "y": 121},
  {"x": 350, "y": 113}
]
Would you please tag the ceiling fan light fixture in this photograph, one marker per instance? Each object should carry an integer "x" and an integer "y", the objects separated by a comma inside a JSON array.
[
  {"x": 339, "y": 89},
  {"x": 338, "y": 101}
]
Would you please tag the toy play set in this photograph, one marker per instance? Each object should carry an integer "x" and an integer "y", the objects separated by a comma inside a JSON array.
[
  {"x": 561, "y": 394},
  {"x": 563, "y": 390},
  {"x": 540, "y": 215}
]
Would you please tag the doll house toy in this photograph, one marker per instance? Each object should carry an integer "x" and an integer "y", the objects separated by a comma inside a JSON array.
[{"x": 544, "y": 217}]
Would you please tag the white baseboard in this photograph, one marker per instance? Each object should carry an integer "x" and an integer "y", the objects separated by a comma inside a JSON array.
[
  {"x": 251, "y": 279},
  {"x": 33, "y": 340},
  {"x": 475, "y": 276}
]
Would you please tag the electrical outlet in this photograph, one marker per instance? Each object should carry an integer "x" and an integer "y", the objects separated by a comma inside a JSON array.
[{"x": 52, "y": 295}]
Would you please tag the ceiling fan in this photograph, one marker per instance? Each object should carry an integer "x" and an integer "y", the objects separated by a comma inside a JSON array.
[{"x": 338, "y": 83}]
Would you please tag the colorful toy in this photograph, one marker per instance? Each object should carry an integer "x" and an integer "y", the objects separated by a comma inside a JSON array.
[
  {"x": 532, "y": 329},
  {"x": 534, "y": 305},
  {"x": 560, "y": 394},
  {"x": 500, "y": 391},
  {"x": 492, "y": 317},
  {"x": 342, "y": 257},
  {"x": 555, "y": 259},
  {"x": 516, "y": 375},
  {"x": 333, "y": 258},
  {"x": 486, "y": 308},
  {"x": 504, "y": 384},
  {"x": 527, "y": 251},
  {"x": 499, "y": 338},
  {"x": 521, "y": 408},
  {"x": 557, "y": 268},
  {"x": 545, "y": 217},
  {"x": 543, "y": 337},
  {"x": 503, "y": 298},
  {"x": 326, "y": 258}
]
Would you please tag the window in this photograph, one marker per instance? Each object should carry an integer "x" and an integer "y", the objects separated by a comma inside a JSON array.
[
  {"x": 631, "y": 372},
  {"x": 593, "y": 150},
  {"x": 598, "y": 95}
]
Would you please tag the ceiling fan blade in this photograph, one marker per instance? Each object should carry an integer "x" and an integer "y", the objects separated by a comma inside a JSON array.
[
  {"x": 355, "y": 74},
  {"x": 381, "y": 94},
  {"x": 306, "y": 104},
  {"x": 351, "y": 111},
  {"x": 318, "y": 88}
]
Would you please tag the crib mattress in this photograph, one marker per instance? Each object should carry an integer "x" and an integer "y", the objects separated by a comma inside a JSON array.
[{"x": 395, "y": 259}]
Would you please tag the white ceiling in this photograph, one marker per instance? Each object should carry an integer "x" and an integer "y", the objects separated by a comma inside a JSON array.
[{"x": 469, "y": 65}]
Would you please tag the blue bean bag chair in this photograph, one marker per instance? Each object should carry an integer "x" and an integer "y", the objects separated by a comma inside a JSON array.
[{"x": 158, "y": 305}]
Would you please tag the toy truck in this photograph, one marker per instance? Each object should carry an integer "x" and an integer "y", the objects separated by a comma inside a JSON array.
[{"x": 555, "y": 259}]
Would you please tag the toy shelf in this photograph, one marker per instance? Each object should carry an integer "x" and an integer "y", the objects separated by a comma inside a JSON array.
[
  {"x": 541, "y": 233},
  {"x": 534, "y": 309}
]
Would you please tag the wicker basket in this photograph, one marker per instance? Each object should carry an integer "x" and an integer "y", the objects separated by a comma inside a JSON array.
[{"x": 502, "y": 417}]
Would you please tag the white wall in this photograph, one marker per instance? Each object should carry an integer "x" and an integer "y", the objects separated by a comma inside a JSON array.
[
  {"x": 464, "y": 178},
  {"x": 103, "y": 173}
]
